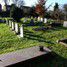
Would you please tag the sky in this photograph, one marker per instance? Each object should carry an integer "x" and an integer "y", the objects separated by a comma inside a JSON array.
[{"x": 33, "y": 2}]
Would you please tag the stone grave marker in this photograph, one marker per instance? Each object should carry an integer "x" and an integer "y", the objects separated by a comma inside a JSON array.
[
  {"x": 39, "y": 19},
  {"x": 13, "y": 26},
  {"x": 16, "y": 28},
  {"x": 65, "y": 24},
  {"x": 21, "y": 31},
  {"x": 25, "y": 19},
  {"x": 7, "y": 21},
  {"x": 45, "y": 20},
  {"x": 32, "y": 22},
  {"x": 31, "y": 17},
  {"x": 10, "y": 23}
]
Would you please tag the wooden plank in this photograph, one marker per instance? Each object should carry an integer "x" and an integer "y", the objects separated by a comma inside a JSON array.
[{"x": 21, "y": 55}]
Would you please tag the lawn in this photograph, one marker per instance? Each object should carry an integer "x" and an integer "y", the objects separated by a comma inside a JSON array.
[{"x": 10, "y": 42}]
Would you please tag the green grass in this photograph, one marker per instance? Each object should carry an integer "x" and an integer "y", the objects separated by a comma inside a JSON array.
[{"x": 10, "y": 42}]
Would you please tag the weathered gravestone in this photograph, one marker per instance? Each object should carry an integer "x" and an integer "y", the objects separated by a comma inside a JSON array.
[
  {"x": 7, "y": 21},
  {"x": 25, "y": 19},
  {"x": 21, "y": 31},
  {"x": 35, "y": 19},
  {"x": 39, "y": 19},
  {"x": 31, "y": 17},
  {"x": 13, "y": 26},
  {"x": 16, "y": 28},
  {"x": 45, "y": 20},
  {"x": 10, "y": 23},
  {"x": 65, "y": 24},
  {"x": 31, "y": 22}
]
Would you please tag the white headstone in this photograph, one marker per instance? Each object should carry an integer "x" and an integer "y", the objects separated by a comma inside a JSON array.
[
  {"x": 21, "y": 31},
  {"x": 7, "y": 22},
  {"x": 65, "y": 24},
  {"x": 41, "y": 20},
  {"x": 35, "y": 19},
  {"x": 10, "y": 23},
  {"x": 16, "y": 28},
  {"x": 31, "y": 17},
  {"x": 25, "y": 20},
  {"x": 45, "y": 20},
  {"x": 13, "y": 26}
]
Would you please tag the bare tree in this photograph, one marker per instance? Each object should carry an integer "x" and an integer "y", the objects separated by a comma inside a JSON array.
[{"x": 18, "y": 3}]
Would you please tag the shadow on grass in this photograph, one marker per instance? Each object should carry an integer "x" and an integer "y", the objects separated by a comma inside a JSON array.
[
  {"x": 58, "y": 28},
  {"x": 32, "y": 36},
  {"x": 26, "y": 24},
  {"x": 49, "y": 60}
]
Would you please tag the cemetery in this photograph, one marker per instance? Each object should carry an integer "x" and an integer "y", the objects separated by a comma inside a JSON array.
[{"x": 33, "y": 39}]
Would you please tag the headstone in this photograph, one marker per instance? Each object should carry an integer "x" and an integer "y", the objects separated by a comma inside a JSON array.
[
  {"x": 25, "y": 20},
  {"x": 7, "y": 21},
  {"x": 39, "y": 18},
  {"x": 65, "y": 24},
  {"x": 13, "y": 26},
  {"x": 45, "y": 20},
  {"x": 21, "y": 31},
  {"x": 35, "y": 19},
  {"x": 10, "y": 23},
  {"x": 31, "y": 22},
  {"x": 31, "y": 17},
  {"x": 16, "y": 28}
]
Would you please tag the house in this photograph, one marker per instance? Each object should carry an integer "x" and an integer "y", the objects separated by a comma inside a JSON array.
[{"x": 26, "y": 9}]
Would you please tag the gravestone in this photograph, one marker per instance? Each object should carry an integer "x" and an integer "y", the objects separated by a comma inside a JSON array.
[
  {"x": 21, "y": 31},
  {"x": 45, "y": 20},
  {"x": 39, "y": 19},
  {"x": 31, "y": 17},
  {"x": 35, "y": 19},
  {"x": 13, "y": 26},
  {"x": 7, "y": 21},
  {"x": 16, "y": 28},
  {"x": 65, "y": 24},
  {"x": 10, "y": 23},
  {"x": 32, "y": 22},
  {"x": 25, "y": 19}
]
